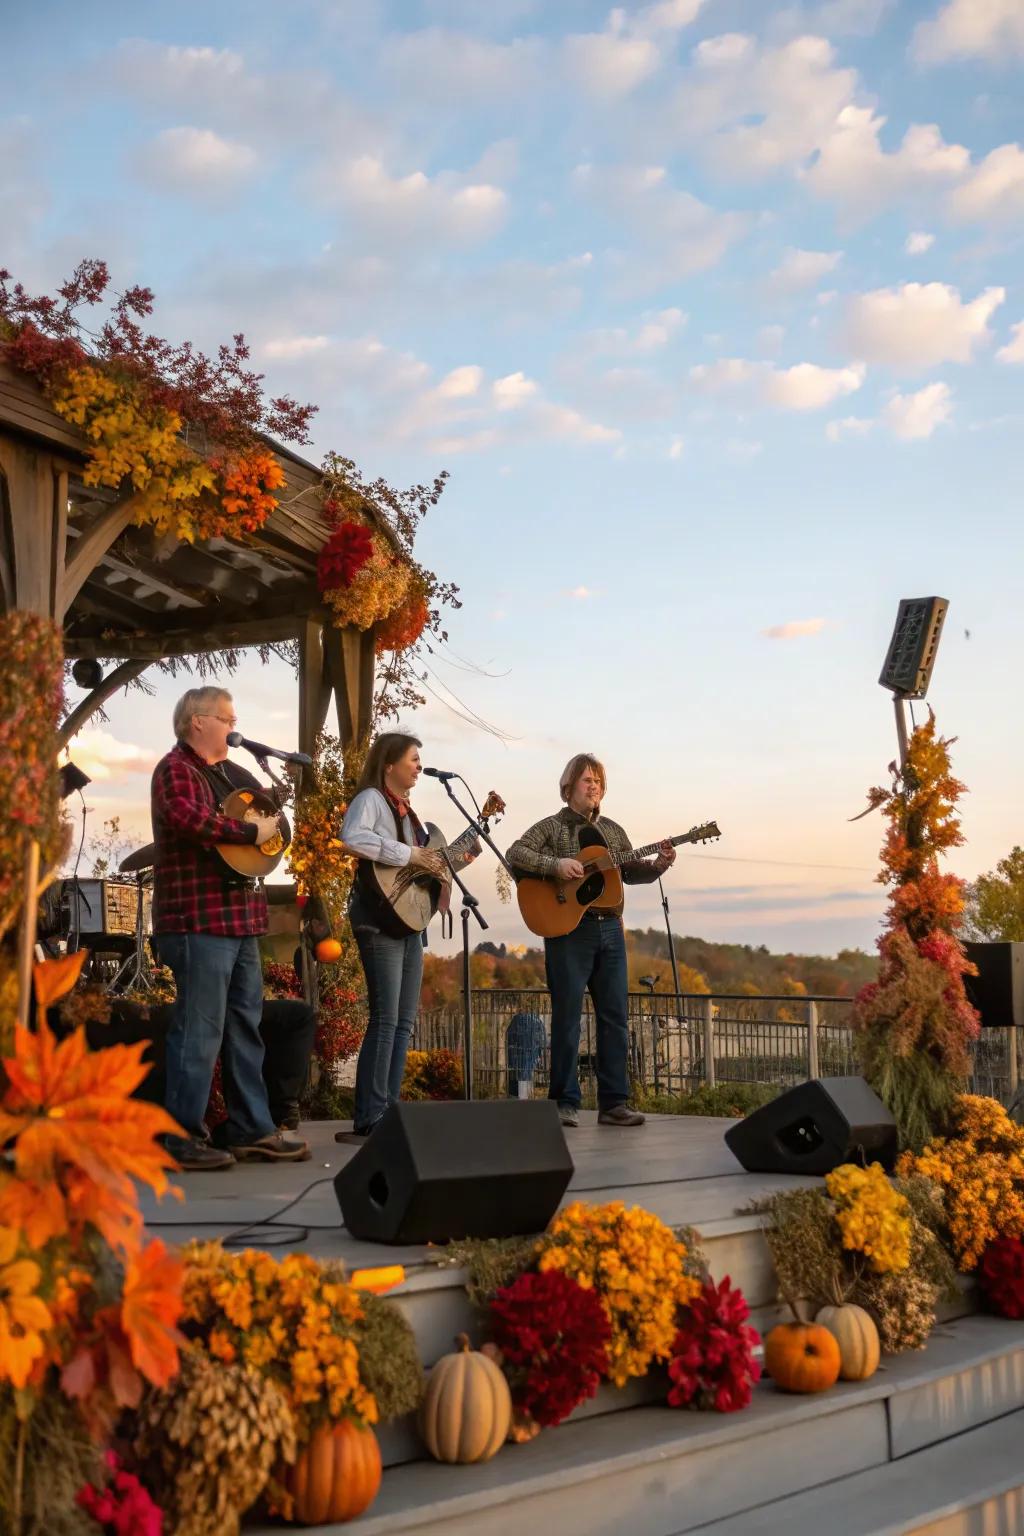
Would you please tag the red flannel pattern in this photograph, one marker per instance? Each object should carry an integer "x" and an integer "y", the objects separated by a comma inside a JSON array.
[{"x": 193, "y": 891}]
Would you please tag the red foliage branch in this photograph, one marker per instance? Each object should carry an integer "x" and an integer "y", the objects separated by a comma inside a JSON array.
[{"x": 219, "y": 398}]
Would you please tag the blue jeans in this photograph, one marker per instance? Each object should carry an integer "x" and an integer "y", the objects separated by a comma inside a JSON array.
[
  {"x": 592, "y": 957},
  {"x": 217, "y": 1013},
  {"x": 394, "y": 970}
]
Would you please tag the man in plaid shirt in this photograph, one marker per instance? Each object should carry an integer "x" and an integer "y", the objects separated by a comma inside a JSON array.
[{"x": 206, "y": 921}]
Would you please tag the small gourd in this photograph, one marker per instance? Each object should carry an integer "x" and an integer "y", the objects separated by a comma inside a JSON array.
[
  {"x": 854, "y": 1331},
  {"x": 467, "y": 1408},
  {"x": 801, "y": 1357},
  {"x": 336, "y": 1474}
]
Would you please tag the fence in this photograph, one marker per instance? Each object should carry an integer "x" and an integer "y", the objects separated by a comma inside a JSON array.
[{"x": 678, "y": 1043}]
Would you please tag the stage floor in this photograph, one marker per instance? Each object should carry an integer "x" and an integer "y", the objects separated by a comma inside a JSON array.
[{"x": 677, "y": 1166}]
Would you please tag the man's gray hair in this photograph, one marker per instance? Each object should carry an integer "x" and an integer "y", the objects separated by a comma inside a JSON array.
[{"x": 198, "y": 701}]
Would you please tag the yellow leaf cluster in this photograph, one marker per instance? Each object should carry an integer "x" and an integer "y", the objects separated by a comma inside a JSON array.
[
  {"x": 980, "y": 1170},
  {"x": 873, "y": 1217},
  {"x": 294, "y": 1320},
  {"x": 636, "y": 1264}
]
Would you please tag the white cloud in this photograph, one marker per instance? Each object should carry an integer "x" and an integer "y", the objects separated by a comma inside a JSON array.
[
  {"x": 289, "y": 348},
  {"x": 677, "y": 448},
  {"x": 441, "y": 65},
  {"x": 614, "y": 62},
  {"x": 743, "y": 448},
  {"x": 913, "y": 417},
  {"x": 918, "y": 242},
  {"x": 581, "y": 593},
  {"x": 673, "y": 233},
  {"x": 919, "y": 325},
  {"x": 195, "y": 161},
  {"x": 513, "y": 391},
  {"x": 990, "y": 29},
  {"x": 848, "y": 426},
  {"x": 653, "y": 331},
  {"x": 794, "y": 629},
  {"x": 802, "y": 269},
  {"x": 403, "y": 207},
  {"x": 853, "y": 168},
  {"x": 994, "y": 189},
  {"x": 1013, "y": 351},
  {"x": 803, "y": 387},
  {"x": 102, "y": 756}
]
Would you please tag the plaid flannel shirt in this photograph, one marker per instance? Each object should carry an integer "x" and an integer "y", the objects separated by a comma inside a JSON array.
[
  {"x": 539, "y": 849},
  {"x": 193, "y": 889}
]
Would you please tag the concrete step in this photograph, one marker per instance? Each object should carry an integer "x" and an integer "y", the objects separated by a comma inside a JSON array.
[
  {"x": 972, "y": 1485},
  {"x": 656, "y": 1471}
]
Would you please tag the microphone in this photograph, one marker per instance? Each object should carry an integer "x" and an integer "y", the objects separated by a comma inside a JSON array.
[
  {"x": 236, "y": 739},
  {"x": 433, "y": 773}
]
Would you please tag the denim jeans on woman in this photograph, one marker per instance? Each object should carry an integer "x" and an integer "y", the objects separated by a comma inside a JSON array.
[
  {"x": 393, "y": 969},
  {"x": 217, "y": 1013},
  {"x": 592, "y": 957}
]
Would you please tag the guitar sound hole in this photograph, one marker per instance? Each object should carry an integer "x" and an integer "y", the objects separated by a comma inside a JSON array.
[{"x": 590, "y": 889}]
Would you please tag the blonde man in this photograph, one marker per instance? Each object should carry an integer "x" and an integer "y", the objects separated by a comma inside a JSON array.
[
  {"x": 206, "y": 923},
  {"x": 593, "y": 957}
]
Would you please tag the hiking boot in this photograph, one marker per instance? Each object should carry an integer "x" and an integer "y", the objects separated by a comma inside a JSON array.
[
  {"x": 288, "y": 1133},
  {"x": 620, "y": 1115},
  {"x": 275, "y": 1148},
  {"x": 569, "y": 1116},
  {"x": 197, "y": 1156}
]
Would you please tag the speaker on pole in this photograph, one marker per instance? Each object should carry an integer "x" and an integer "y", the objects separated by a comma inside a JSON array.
[
  {"x": 814, "y": 1127},
  {"x": 433, "y": 1172},
  {"x": 998, "y": 989}
]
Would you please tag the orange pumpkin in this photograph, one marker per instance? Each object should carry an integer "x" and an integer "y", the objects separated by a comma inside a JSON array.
[
  {"x": 328, "y": 950},
  {"x": 336, "y": 1475},
  {"x": 802, "y": 1357}
]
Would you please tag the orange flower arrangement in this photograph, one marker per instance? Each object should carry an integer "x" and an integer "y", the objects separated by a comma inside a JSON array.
[
  {"x": 404, "y": 627},
  {"x": 247, "y": 490},
  {"x": 361, "y": 592}
]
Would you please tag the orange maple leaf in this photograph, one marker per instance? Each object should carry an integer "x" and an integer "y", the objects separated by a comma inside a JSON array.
[
  {"x": 150, "y": 1306},
  {"x": 38, "y": 1210},
  {"x": 55, "y": 978},
  {"x": 68, "y": 1111}
]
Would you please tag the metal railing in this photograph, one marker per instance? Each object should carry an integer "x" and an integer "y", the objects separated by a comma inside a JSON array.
[{"x": 677, "y": 1043}]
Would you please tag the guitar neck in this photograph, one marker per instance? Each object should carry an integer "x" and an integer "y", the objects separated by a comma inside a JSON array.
[{"x": 695, "y": 835}]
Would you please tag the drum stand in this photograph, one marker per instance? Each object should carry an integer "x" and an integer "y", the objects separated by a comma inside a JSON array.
[{"x": 134, "y": 974}]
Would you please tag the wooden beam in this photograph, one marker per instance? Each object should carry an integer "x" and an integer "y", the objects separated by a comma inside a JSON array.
[
  {"x": 314, "y": 689},
  {"x": 58, "y": 542},
  {"x": 225, "y": 636},
  {"x": 352, "y": 658},
  {"x": 93, "y": 543},
  {"x": 92, "y": 701}
]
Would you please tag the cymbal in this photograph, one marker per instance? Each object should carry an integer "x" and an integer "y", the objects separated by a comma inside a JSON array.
[{"x": 142, "y": 858}]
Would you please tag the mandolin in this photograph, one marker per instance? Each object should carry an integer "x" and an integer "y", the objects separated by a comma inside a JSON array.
[
  {"x": 405, "y": 899},
  {"x": 552, "y": 907}
]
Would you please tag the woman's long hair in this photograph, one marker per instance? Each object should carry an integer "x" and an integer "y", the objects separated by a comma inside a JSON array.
[{"x": 387, "y": 749}]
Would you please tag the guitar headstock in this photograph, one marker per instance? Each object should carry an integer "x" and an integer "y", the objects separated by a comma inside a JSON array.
[
  {"x": 707, "y": 833},
  {"x": 494, "y": 805}
]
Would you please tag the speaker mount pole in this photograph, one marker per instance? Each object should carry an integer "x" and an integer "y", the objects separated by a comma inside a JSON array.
[{"x": 899, "y": 704}]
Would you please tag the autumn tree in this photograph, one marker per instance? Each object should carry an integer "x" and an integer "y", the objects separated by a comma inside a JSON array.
[{"x": 995, "y": 902}]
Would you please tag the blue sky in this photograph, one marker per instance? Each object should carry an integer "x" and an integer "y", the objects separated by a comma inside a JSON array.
[{"x": 714, "y": 313}]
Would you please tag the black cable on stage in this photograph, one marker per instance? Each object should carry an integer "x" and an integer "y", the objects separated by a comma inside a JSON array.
[{"x": 233, "y": 1234}]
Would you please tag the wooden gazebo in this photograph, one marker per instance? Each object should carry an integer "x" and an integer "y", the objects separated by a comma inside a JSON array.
[{"x": 71, "y": 552}]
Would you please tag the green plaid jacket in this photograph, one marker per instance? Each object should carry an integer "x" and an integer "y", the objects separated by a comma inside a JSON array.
[{"x": 558, "y": 837}]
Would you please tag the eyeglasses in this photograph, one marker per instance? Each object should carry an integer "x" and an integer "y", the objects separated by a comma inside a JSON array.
[{"x": 231, "y": 720}]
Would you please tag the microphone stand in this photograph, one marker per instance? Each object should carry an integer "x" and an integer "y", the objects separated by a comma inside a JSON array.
[
  {"x": 675, "y": 980},
  {"x": 470, "y": 904}
]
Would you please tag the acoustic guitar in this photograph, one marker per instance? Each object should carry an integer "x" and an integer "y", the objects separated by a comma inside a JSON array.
[
  {"x": 253, "y": 860},
  {"x": 405, "y": 898},
  {"x": 551, "y": 907}
]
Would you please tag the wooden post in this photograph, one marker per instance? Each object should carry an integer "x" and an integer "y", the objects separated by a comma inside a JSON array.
[
  {"x": 27, "y": 930},
  {"x": 1011, "y": 1054},
  {"x": 813, "y": 1069},
  {"x": 709, "y": 1042}
]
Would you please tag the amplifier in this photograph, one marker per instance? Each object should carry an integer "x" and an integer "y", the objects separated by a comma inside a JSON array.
[{"x": 105, "y": 906}]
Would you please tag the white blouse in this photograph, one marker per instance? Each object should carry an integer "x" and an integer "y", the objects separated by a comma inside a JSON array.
[{"x": 369, "y": 828}]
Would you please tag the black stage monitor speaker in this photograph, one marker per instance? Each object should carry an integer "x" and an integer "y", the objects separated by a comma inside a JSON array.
[
  {"x": 814, "y": 1127},
  {"x": 998, "y": 989},
  {"x": 431, "y": 1172}
]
